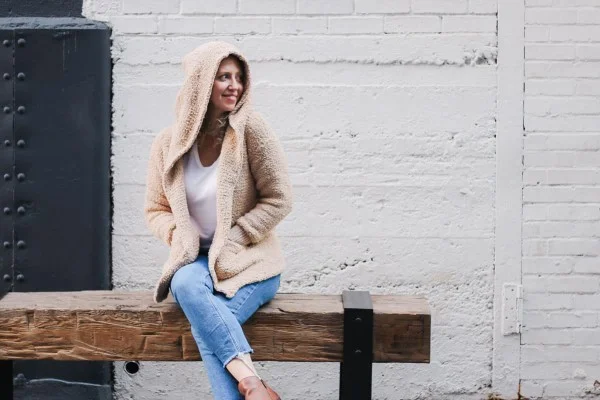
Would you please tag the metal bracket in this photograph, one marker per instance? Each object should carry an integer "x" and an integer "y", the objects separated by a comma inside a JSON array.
[
  {"x": 512, "y": 308},
  {"x": 356, "y": 369}
]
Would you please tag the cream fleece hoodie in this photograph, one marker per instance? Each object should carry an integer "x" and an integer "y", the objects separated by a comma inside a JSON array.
[{"x": 253, "y": 188}]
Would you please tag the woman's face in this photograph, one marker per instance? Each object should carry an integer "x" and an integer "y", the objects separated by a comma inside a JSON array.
[{"x": 228, "y": 85}]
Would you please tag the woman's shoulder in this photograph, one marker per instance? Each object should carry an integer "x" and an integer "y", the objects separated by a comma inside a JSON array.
[{"x": 258, "y": 127}]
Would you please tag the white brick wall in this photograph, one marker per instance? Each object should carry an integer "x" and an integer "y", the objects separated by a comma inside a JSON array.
[
  {"x": 387, "y": 112},
  {"x": 561, "y": 217}
]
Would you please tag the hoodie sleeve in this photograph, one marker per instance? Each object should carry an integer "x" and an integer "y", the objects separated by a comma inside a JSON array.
[
  {"x": 269, "y": 168},
  {"x": 157, "y": 211}
]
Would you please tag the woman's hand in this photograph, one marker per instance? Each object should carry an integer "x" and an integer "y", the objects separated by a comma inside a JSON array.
[{"x": 226, "y": 265}]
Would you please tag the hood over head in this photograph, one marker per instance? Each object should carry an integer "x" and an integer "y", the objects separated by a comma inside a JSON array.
[{"x": 200, "y": 68}]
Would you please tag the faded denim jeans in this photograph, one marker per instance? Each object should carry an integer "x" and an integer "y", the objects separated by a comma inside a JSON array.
[{"x": 216, "y": 320}]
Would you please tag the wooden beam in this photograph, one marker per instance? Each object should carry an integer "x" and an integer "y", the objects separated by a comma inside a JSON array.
[{"x": 113, "y": 325}]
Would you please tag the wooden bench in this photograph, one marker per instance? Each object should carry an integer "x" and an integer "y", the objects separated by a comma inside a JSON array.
[{"x": 355, "y": 329}]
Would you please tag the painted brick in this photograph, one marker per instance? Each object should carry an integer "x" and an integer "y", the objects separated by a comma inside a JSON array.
[
  {"x": 355, "y": 25},
  {"x": 555, "y": 370},
  {"x": 439, "y": 6},
  {"x": 483, "y": 6},
  {"x": 151, "y": 6},
  {"x": 573, "y": 33},
  {"x": 218, "y": 7},
  {"x": 382, "y": 6},
  {"x": 575, "y": 247},
  {"x": 559, "y": 353},
  {"x": 531, "y": 389},
  {"x": 572, "y": 388},
  {"x": 585, "y": 337},
  {"x": 574, "y": 212},
  {"x": 588, "y": 52},
  {"x": 588, "y": 16},
  {"x": 299, "y": 25},
  {"x": 535, "y": 212},
  {"x": 242, "y": 25},
  {"x": 466, "y": 23},
  {"x": 561, "y": 123},
  {"x": 130, "y": 25},
  {"x": 539, "y": 3},
  {"x": 560, "y": 194},
  {"x": 547, "y": 265},
  {"x": 544, "y": 302},
  {"x": 587, "y": 301},
  {"x": 562, "y": 229},
  {"x": 544, "y": 51},
  {"x": 560, "y": 319},
  {"x": 587, "y": 265},
  {"x": 325, "y": 7},
  {"x": 186, "y": 25},
  {"x": 545, "y": 336},
  {"x": 561, "y": 284},
  {"x": 535, "y": 247},
  {"x": 267, "y": 6},
  {"x": 110, "y": 7},
  {"x": 421, "y": 49},
  {"x": 568, "y": 141},
  {"x": 587, "y": 87},
  {"x": 549, "y": 86},
  {"x": 552, "y": 15},
  {"x": 413, "y": 23},
  {"x": 545, "y": 105}
]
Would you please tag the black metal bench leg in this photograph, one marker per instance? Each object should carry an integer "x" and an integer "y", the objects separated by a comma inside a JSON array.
[
  {"x": 6, "y": 379},
  {"x": 356, "y": 370}
]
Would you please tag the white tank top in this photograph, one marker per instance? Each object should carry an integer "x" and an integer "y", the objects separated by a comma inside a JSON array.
[{"x": 201, "y": 195}]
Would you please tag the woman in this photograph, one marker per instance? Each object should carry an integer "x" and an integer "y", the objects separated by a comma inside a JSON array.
[{"x": 217, "y": 187}]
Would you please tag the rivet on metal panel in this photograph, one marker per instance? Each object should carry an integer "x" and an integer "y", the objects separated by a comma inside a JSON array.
[
  {"x": 21, "y": 42},
  {"x": 21, "y": 210},
  {"x": 6, "y": 76},
  {"x": 20, "y": 143},
  {"x": 20, "y": 278},
  {"x": 7, "y": 210},
  {"x": 7, "y": 143},
  {"x": 6, "y": 278},
  {"x": 7, "y": 177},
  {"x": 6, "y": 245},
  {"x": 21, "y": 110},
  {"x": 21, "y": 76},
  {"x": 21, "y": 244},
  {"x": 21, "y": 177},
  {"x": 6, "y": 43},
  {"x": 6, "y": 110}
]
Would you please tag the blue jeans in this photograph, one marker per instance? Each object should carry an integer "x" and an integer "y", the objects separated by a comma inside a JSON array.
[{"x": 216, "y": 320}]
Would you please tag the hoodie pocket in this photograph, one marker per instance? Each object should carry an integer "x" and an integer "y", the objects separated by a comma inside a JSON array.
[{"x": 235, "y": 258}]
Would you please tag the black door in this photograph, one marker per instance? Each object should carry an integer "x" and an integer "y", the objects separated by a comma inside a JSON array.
[{"x": 55, "y": 169}]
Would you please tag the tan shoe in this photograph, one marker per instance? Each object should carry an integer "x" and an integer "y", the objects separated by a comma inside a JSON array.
[{"x": 254, "y": 388}]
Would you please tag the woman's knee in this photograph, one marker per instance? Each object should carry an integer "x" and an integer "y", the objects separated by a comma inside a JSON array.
[
  {"x": 272, "y": 286},
  {"x": 190, "y": 278}
]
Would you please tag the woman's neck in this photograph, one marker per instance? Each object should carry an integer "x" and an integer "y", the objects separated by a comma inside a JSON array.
[{"x": 212, "y": 116}]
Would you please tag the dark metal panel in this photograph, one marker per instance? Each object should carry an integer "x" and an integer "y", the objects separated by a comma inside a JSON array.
[
  {"x": 6, "y": 159},
  {"x": 61, "y": 172},
  {"x": 62, "y": 188},
  {"x": 40, "y": 8},
  {"x": 6, "y": 380}
]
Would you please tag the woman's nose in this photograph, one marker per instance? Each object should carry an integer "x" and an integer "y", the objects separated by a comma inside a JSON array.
[{"x": 236, "y": 85}]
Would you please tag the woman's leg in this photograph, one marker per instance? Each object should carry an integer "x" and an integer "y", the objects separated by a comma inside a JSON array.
[{"x": 216, "y": 321}]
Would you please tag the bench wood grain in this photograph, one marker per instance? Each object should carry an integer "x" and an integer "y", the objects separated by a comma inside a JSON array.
[{"x": 114, "y": 325}]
